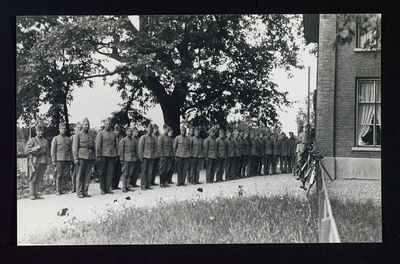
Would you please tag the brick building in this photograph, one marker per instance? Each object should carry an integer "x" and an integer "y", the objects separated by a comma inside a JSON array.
[{"x": 348, "y": 105}]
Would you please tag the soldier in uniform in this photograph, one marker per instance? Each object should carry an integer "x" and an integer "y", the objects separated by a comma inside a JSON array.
[
  {"x": 197, "y": 156},
  {"x": 292, "y": 152},
  {"x": 165, "y": 152},
  {"x": 156, "y": 169},
  {"x": 147, "y": 155},
  {"x": 137, "y": 167},
  {"x": 238, "y": 155},
  {"x": 182, "y": 155},
  {"x": 260, "y": 151},
  {"x": 243, "y": 154},
  {"x": 268, "y": 148},
  {"x": 106, "y": 152},
  {"x": 117, "y": 163},
  {"x": 173, "y": 164},
  {"x": 276, "y": 151},
  {"x": 128, "y": 153},
  {"x": 253, "y": 155},
  {"x": 284, "y": 153},
  {"x": 210, "y": 155},
  {"x": 74, "y": 169},
  {"x": 189, "y": 134},
  {"x": 221, "y": 154},
  {"x": 230, "y": 153},
  {"x": 61, "y": 155},
  {"x": 84, "y": 155},
  {"x": 38, "y": 151}
]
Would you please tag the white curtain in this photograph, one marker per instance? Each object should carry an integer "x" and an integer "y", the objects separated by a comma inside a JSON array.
[{"x": 365, "y": 111}]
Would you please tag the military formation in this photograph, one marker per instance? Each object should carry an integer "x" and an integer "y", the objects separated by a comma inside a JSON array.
[{"x": 225, "y": 155}]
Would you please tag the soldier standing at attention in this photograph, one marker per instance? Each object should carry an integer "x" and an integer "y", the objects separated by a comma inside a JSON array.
[
  {"x": 197, "y": 156},
  {"x": 253, "y": 155},
  {"x": 238, "y": 155},
  {"x": 221, "y": 153},
  {"x": 106, "y": 152},
  {"x": 74, "y": 169},
  {"x": 147, "y": 155},
  {"x": 210, "y": 155},
  {"x": 117, "y": 163},
  {"x": 182, "y": 155},
  {"x": 61, "y": 155},
  {"x": 173, "y": 163},
  {"x": 246, "y": 155},
  {"x": 190, "y": 134},
  {"x": 284, "y": 153},
  {"x": 156, "y": 169},
  {"x": 128, "y": 153},
  {"x": 230, "y": 153},
  {"x": 38, "y": 151},
  {"x": 268, "y": 148},
  {"x": 84, "y": 155},
  {"x": 260, "y": 145},
  {"x": 243, "y": 158},
  {"x": 276, "y": 146},
  {"x": 165, "y": 152},
  {"x": 292, "y": 152},
  {"x": 137, "y": 167}
]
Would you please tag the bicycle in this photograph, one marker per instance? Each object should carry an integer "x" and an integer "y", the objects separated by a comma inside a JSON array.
[{"x": 311, "y": 167}]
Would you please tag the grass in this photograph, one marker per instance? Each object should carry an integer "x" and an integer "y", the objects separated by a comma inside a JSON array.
[{"x": 252, "y": 219}]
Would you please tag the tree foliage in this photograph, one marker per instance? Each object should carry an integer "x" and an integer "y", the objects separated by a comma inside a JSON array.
[{"x": 197, "y": 67}]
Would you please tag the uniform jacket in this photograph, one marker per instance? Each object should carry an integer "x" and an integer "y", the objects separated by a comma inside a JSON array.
[
  {"x": 128, "y": 149},
  {"x": 182, "y": 146},
  {"x": 260, "y": 145},
  {"x": 83, "y": 146},
  {"x": 196, "y": 147},
  {"x": 230, "y": 148},
  {"x": 284, "y": 147},
  {"x": 39, "y": 155},
  {"x": 210, "y": 148},
  {"x": 243, "y": 146},
  {"x": 164, "y": 146},
  {"x": 276, "y": 145},
  {"x": 147, "y": 147},
  {"x": 253, "y": 147},
  {"x": 268, "y": 146},
  {"x": 156, "y": 140},
  {"x": 61, "y": 149},
  {"x": 221, "y": 148},
  {"x": 236, "y": 146},
  {"x": 106, "y": 144}
]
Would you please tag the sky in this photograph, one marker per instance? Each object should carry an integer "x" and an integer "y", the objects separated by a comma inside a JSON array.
[{"x": 99, "y": 102}]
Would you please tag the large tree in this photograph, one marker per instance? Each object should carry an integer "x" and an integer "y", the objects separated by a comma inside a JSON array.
[{"x": 193, "y": 66}]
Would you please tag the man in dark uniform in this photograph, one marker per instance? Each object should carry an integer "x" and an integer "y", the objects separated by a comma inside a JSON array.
[
  {"x": 84, "y": 155},
  {"x": 182, "y": 155},
  {"x": 106, "y": 152},
  {"x": 197, "y": 156},
  {"x": 268, "y": 148},
  {"x": 260, "y": 151},
  {"x": 238, "y": 155},
  {"x": 117, "y": 163},
  {"x": 291, "y": 152},
  {"x": 165, "y": 152},
  {"x": 221, "y": 154},
  {"x": 173, "y": 164},
  {"x": 189, "y": 134},
  {"x": 243, "y": 151},
  {"x": 74, "y": 169},
  {"x": 230, "y": 153},
  {"x": 38, "y": 151},
  {"x": 128, "y": 153},
  {"x": 284, "y": 152},
  {"x": 156, "y": 169},
  {"x": 253, "y": 155},
  {"x": 147, "y": 155},
  {"x": 210, "y": 155},
  {"x": 61, "y": 155},
  {"x": 276, "y": 150}
]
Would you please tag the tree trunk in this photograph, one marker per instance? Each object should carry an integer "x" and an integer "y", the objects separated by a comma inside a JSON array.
[
  {"x": 65, "y": 112},
  {"x": 171, "y": 115}
]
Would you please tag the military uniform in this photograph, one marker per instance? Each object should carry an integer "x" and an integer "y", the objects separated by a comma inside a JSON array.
[
  {"x": 156, "y": 168},
  {"x": 238, "y": 156},
  {"x": 137, "y": 169},
  {"x": 284, "y": 154},
  {"x": 221, "y": 154},
  {"x": 38, "y": 151},
  {"x": 165, "y": 152},
  {"x": 61, "y": 154},
  {"x": 276, "y": 150},
  {"x": 197, "y": 157},
  {"x": 260, "y": 155},
  {"x": 117, "y": 165},
  {"x": 107, "y": 149},
  {"x": 291, "y": 154},
  {"x": 268, "y": 148},
  {"x": 230, "y": 153},
  {"x": 147, "y": 155},
  {"x": 245, "y": 151},
  {"x": 253, "y": 157},
  {"x": 128, "y": 154},
  {"x": 182, "y": 154},
  {"x": 210, "y": 154}
]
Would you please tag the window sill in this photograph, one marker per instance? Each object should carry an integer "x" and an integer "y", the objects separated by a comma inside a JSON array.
[
  {"x": 366, "y": 149},
  {"x": 365, "y": 50}
]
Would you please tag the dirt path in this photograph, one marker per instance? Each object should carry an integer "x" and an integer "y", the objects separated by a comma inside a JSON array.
[{"x": 41, "y": 215}]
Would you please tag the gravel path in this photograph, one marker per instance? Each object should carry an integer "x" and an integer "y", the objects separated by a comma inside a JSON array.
[{"x": 41, "y": 215}]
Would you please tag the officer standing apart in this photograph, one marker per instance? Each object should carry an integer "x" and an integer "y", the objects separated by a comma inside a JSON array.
[
  {"x": 84, "y": 155},
  {"x": 147, "y": 154},
  {"x": 182, "y": 155},
  {"x": 61, "y": 155},
  {"x": 37, "y": 148},
  {"x": 165, "y": 152},
  {"x": 128, "y": 153},
  {"x": 106, "y": 152}
]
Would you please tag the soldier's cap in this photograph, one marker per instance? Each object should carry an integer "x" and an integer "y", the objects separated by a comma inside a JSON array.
[
  {"x": 183, "y": 128},
  {"x": 85, "y": 120},
  {"x": 117, "y": 127},
  {"x": 211, "y": 130},
  {"x": 39, "y": 127},
  {"x": 155, "y": 126},
  {"x": 78, "y": 124},
  {"x": 221, "y": 131},
  {"x": 150, "y": 127},
  {"x": 165, "y": 126},
  {"x": 61, "y": 125},
  {"x": 197, "y": 129}
]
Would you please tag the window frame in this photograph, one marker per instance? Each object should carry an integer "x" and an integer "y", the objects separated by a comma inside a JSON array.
[
  {"x": 360, "y": 47},
  {"x": 375, "y": 146}
]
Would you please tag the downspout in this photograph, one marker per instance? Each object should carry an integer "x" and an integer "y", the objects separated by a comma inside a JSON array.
[{"x": 334, "y": 108}]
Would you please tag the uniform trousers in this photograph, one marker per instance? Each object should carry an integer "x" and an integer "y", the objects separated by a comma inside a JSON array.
[
  {"x": 83, "y": 176},
  {"x": 181, "y": 168},
  {"x": 62, "y": 172},
  {"x": 275, "y": 160},
  {"x": 136, "y": 173},
  {"x": 230, "y": 168},
  {"x": 146, "y": 172},
  {"x": 195, "y": 166},
  {"x": 267, "y": 163},
  {"x": 220, "y": 169},
  {"x": 117, "y": 174},
  {"x": 165, "y": 169},
  {"x": 291, "y": 163},
  {"x": 245, "y": 161},
  {"x": 106, "y": 172},
  {"x": 156, "y": 170},
  {"x": 211, "y": 165},
  {"x": 283, "y": 164},
  {"x": 236, "y": 165},
  {"x": 72, "y": 172},
  {"x": 249, "y": 166},
  {"x": 127, "y": 172},
  {"x": 36, "y": 177}
]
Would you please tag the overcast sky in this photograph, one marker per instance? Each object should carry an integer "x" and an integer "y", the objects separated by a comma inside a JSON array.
[{"x": 99, "y": 102}]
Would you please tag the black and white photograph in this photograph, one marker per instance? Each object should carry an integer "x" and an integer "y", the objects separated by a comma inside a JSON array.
[{"x": 198, "y": 129}]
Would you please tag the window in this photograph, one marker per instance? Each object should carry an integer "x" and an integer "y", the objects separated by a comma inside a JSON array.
[
  {"x": 368, "y": 37},
  {"x": 369, "y": 113}
]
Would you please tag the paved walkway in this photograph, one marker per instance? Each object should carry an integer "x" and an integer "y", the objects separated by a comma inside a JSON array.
[{"x": 41, "y": 215}]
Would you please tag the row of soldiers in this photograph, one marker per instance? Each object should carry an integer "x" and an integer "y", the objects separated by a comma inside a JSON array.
[{"x": 237, "y": 154}]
